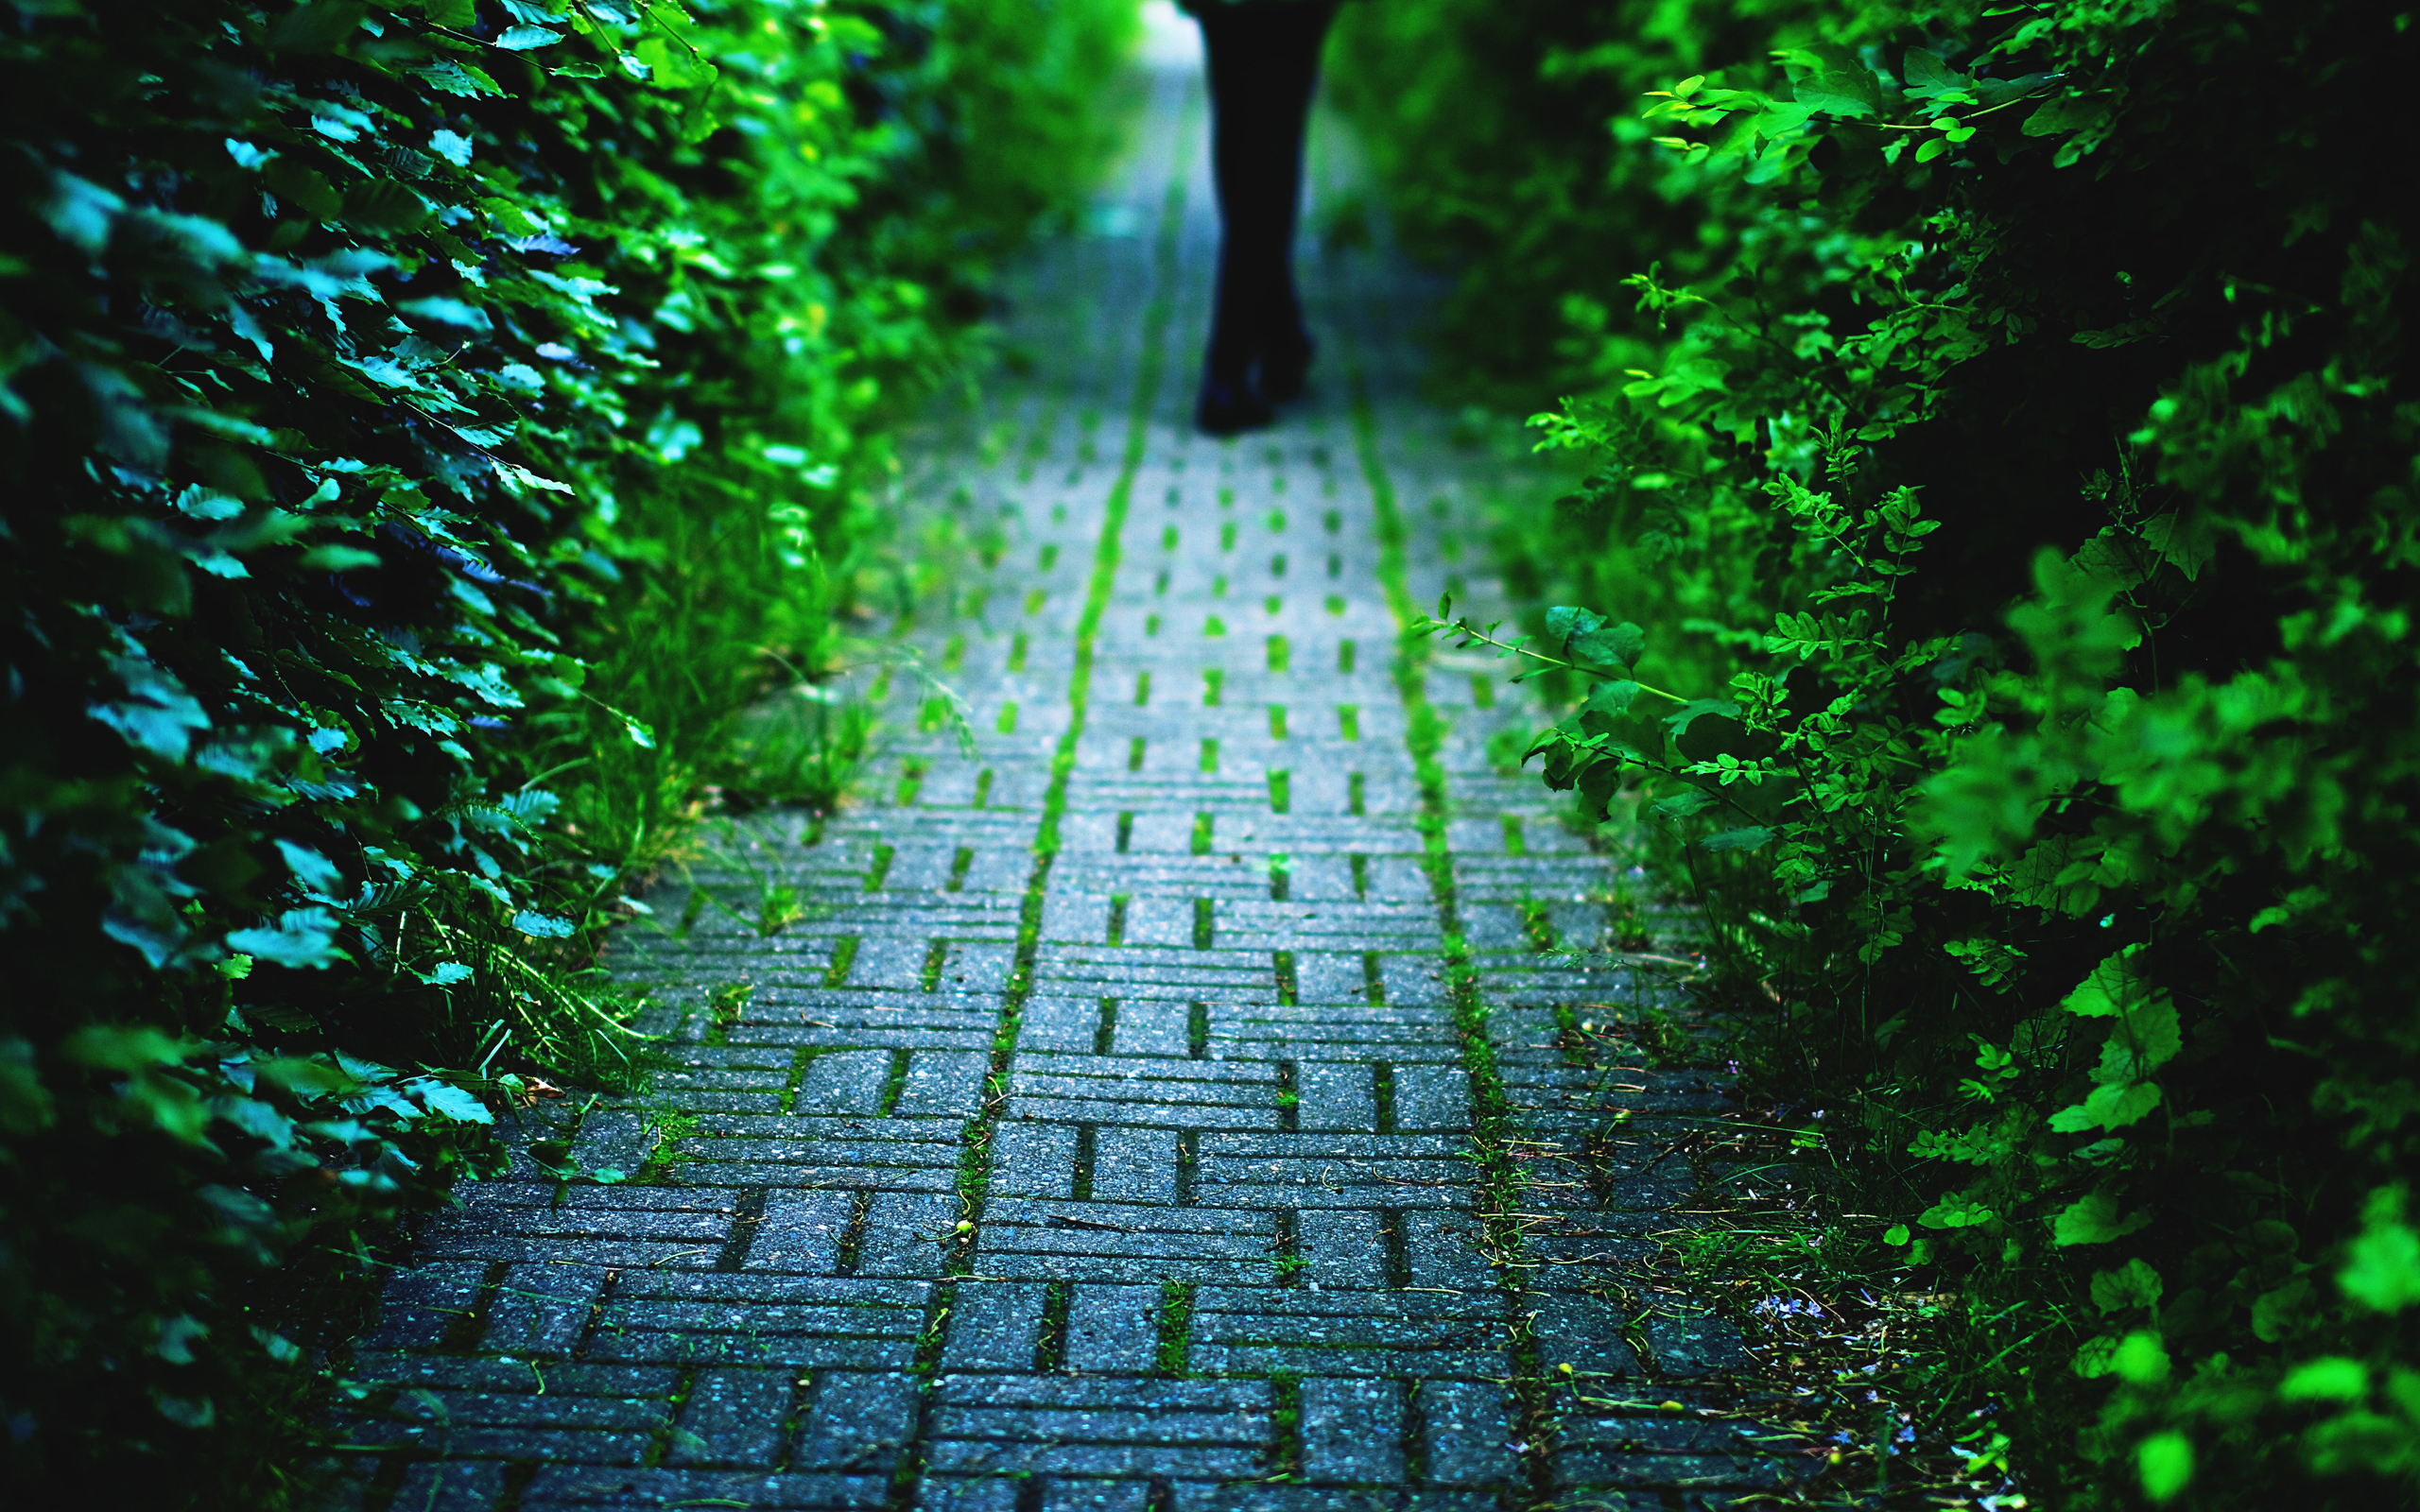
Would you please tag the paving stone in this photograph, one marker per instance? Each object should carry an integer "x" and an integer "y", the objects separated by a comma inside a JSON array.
[
  {"x": 1123, "y": 1242},
  {"x": 984, "y": 1493},
  {"x": 1331, "y": 1171},
  {"x": 1112, "y": 1329},
  {"x": 1585, "y": 1333},
  {"x": 486, "y": 1441},
  {"x": 993, "y": 1325},
  {"x": 1153, "y": 1028},
  {"x": 1335, "y": 1096},
  {"x": 1443, "y": 1250},
  {"x": 1060, "y": 1427},
  {"x": 422, "y": 1306},
  {"x": 454, "y": 1486},
  {"x": 1352, "y": 1430},
  {"x": 508, "y": 1375},
  {"x": 1692, "y": 1340},
  {"x": 1197, "y": 1496},
  {"x": 1071, "y": 1024},
  {"x": 1035, "y": 1160},
  {"x": 613, "y": 1137},
  {"x": 543, "y": 1309},
  {"x": 801, "y": 1231},
  {"x": 1341, "y": 1249},
  {"x": 1389, "y": 1334},
  {"x": 845, "y": 1081},
  {"x": 1431, "y": 1097},
  {"x": 570, "y": 1485},
  {"x": 1467, "y": 1431},
  {"x": 943, "y": 1083},
  {"x": 905, "y": 1234},
  {"x": 859, "y": 1423},
  {"x": 732, "y": 1418},
  {"x": 1135, "y": 1165}
]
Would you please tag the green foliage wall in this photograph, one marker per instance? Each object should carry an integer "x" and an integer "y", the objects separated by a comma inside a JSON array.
[
  {"x": 418, "y": 425},
  {"x": 2019, "y": 481}
]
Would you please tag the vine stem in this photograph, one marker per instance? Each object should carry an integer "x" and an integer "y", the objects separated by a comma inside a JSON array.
[{"x": 1466, "y": 629}]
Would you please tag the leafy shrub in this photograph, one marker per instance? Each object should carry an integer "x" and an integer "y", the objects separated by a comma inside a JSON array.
[
  {"x": 2046, "y": 399},
  {"x": 422, "y": 427}
]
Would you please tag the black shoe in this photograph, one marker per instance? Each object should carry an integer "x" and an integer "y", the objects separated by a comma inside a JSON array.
[
  {"x": 1283, "y": 363},
  {"x": 1229, "y": 404}
]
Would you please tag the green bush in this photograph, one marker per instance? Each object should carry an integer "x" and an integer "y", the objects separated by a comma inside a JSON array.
[
  {"x": 422, "y": 427},
  {"x": 2019, "y": 484}
]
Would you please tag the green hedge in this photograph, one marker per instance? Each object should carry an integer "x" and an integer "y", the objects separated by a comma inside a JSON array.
[
  {"x": 2015, "y": 463},
  {"x": 422, "y": 428}
]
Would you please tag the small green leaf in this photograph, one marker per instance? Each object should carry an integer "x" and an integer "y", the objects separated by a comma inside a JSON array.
[
  {"x": 1565, "y": 621},
  {"x": 303, "y": 939},
  {"x": 2333, "y": 1378},
  {"x": 2068, "y": 114},
  {"x": 2164, "y": 1462},
  {"x": 1681, "y": 805},
  {"x": 2382, "y": 1269},
  {"x": 2093, "y": 1220},
  {"x": 317, "y": 27},
  {"x": 1752, "y": 837},
  {"x": 2134, "y": 1284},
  {"x": 382, "y": 204},
  {"x": 2141, "y": 1358},
  {"x": 1612, "y": 699}
]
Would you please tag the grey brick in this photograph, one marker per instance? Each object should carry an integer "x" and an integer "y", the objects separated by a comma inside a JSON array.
[
  {"x": 456, "y": 1486},
  {"x": 1112, "y": 1327},
  {"x": 943, "y": 1083},
  {"x": 905, "y": 1234},
  {"x": 993, "y": 1325},
  {"x": 1071, "y": 1024},
  {"x": 1692, "y": 1340},
  {"x": 613, "y": 1137},
  {"x": 1431, "y": 1097},
  {"x": 1352, "y": 1430},
  {"x": 951, "y": 1493},
  {"x": 845, "y": 1081},
  {"x": 1153, "y": 1028},
  {"x": 1443, "y": 1250},
  {"x": 1135, "y": 1165},
  {"x": 1335, "y": 1096},
  {"x": 543, "y": 1309},
  {"x": 800, "y": 1231},
  {"x": 1033, "y": 1161},
  {"x": 570, "y": 1485},
  {"x": 859, "y": 1423},
  {"x": 1468, "y": 1429},
  {"x": 1584, "y": 1333},
  {"x": 421, "y": 1306},
  {"x": 732, "y": 1418},
  {"x": 1341, "y": 1249}
]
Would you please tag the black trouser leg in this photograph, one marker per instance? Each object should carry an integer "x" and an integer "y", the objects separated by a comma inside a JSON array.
[{"x": 1263, "y": 60}]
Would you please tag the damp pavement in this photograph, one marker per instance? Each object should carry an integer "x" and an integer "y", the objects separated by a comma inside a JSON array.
[{"x": 1205, "y": 1095}]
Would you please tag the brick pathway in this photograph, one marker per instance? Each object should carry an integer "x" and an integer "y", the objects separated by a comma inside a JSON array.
[{"x": 1193, "y": 1099}]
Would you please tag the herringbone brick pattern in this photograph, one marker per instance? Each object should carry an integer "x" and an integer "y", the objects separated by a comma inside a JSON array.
[{"x": 1194, "y": 1098}]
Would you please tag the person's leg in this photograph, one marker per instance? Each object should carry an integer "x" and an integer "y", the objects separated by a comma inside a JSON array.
[
  {"x": 1263, "y": 63},
  {"x": 1284, "y": 346}
]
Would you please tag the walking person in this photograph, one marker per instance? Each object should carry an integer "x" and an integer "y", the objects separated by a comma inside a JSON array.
[{"x": 1264, "y": 59}]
